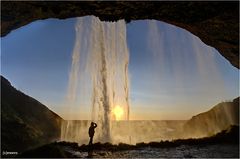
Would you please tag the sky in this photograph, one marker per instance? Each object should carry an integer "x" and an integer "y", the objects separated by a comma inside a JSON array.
[{"x": 173, "y": 74}]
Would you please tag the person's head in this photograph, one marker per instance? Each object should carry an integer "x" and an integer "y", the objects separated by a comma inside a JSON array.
[{"x": 92, "y": 123}]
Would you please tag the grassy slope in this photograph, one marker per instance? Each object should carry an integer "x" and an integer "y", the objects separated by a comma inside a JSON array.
[{"x": 219, "y": 118}]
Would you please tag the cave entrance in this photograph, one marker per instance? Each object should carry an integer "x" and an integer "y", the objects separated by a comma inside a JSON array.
[
  {"x": 172, "y": 59},
  {"x": 173, "y": 74}
]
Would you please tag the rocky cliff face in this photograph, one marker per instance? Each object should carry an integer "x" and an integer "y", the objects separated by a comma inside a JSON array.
[
  {"x": 25, "y": 122},
  {"x": 219, "y": 118},
  {"x": 215, "y": 23}
]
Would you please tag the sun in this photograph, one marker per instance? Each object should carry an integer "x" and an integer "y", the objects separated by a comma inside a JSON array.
[{"x": 118, "y": 112}]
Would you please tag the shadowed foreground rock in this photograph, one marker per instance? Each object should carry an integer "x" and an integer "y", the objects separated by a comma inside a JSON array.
[
  {"x": 25, "y": 122},
  {"x": 215, "y": 23}
]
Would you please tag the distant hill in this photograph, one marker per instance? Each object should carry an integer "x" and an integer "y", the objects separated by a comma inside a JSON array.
[
  {"x": 219, "y": 118},
  {"x": 25, "y": 122}
]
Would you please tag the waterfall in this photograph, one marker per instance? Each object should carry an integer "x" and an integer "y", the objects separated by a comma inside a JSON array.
[
  {"x": 100, "y": 58},
  {"x": 180, "y": 63},
  {"x": 184, "y": 58}
]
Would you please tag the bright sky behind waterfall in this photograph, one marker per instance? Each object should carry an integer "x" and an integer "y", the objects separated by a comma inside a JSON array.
[{"x": 173, "y": 75}]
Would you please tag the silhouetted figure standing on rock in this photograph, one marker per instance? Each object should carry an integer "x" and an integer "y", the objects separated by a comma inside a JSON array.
[{"x": 91, "y": 132}]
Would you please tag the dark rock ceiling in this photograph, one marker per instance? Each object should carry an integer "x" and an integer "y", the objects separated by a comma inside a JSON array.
[{"x": 215, "y": 23}]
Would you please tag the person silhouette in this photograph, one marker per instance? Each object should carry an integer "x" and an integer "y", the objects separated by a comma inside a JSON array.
[{"x": 91, "y": 132}]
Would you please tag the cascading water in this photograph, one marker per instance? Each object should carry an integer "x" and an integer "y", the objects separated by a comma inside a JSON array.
[
  {"x": 190, "y": 61},
  {"x": 101, "y": 55},
  {"x": 99, "y": 76}
]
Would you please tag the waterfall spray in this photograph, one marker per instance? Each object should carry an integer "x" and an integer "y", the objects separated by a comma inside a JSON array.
[
  {"x": 104, "y": 63},
  {"x": 100, "y": 64}
]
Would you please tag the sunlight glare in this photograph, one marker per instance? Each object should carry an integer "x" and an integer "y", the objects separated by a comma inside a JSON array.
[{"x": 118, "y": 112}]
